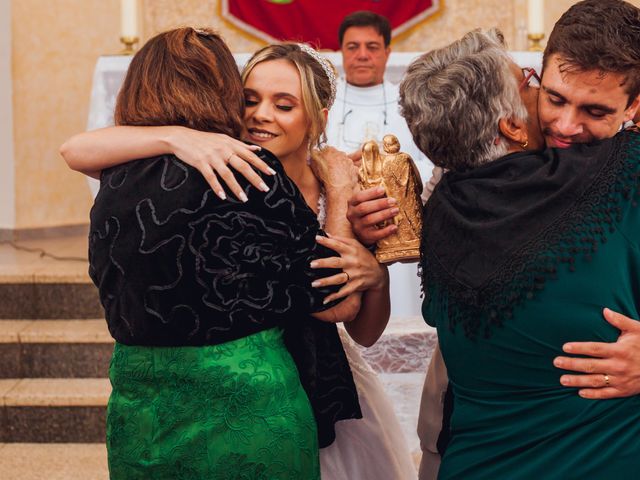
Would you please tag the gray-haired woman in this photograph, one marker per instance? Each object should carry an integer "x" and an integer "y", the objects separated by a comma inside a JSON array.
[{"x": 515, "y": 244}]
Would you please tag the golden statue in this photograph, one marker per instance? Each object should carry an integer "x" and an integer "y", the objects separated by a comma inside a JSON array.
[
  {"x": 371, "y": 167},
  {"x": 398, "y": 175}
]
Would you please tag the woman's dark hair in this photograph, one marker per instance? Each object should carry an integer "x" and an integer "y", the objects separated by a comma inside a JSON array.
[
  {"x": 601, "y": 35},
  {"x": 365, "y": 18},
  {"x": 185, "y": 77}
]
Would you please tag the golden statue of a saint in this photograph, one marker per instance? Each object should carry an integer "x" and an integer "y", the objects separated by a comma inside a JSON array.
[{"x": 398, "y": 175}]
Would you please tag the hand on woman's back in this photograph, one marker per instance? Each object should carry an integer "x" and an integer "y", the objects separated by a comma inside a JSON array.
[{"x": 215, "y": 155}]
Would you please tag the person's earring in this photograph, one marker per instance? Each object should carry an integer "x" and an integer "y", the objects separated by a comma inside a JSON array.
[{"x": 525, "y": 144}]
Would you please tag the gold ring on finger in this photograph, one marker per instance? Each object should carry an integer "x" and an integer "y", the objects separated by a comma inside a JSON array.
[{"x": 348, "y": 277}]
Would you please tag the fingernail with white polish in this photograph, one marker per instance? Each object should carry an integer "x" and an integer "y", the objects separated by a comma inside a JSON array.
[
  {"x": 263, "y": 187},
  {"x": 222, "y": 195},
  {"x": 271, "y": 171},
  {"x": 315, "y": 283},
  {"x": 243, "y": 197},
  {"x": 313, "y": 264}
]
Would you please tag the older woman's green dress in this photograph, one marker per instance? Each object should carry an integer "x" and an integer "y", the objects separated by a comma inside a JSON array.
[{"x": 512, "y": 419}]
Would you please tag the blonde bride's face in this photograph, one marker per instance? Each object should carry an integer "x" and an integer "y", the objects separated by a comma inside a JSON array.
[{"x": 274, "y": 115}]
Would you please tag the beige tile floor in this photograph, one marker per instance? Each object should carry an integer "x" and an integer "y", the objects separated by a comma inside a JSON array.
[{"x": 18, "y": 265}]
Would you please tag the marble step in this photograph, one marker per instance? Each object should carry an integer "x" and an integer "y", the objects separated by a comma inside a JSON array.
[
  {"x": 47, "y": 278},
  {"x": 54, "y": 348},
  {"x": 37, "y": 410},
  {"x": 53, "y": 461},
  {"x": 74, "y": 410},
  {"x": 50, "y": 298},
  {"x": 82, "y": 348},
  {"x": 66, "y": 461}
]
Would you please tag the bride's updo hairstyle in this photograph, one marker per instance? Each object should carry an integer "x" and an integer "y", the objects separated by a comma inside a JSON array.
[{"x": 187, "y": 77}]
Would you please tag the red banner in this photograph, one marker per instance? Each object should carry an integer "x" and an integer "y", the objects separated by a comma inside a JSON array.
[{"x": 317, "y": 21}]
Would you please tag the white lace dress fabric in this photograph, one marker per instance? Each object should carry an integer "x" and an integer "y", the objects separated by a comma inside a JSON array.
[{"x": 373, "y": 447}]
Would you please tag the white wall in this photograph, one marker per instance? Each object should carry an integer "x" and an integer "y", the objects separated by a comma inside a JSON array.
[{"x": 7, "y": 166}]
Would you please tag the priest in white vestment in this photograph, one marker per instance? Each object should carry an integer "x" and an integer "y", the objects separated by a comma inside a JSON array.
[{"x": 366, "y": 108}]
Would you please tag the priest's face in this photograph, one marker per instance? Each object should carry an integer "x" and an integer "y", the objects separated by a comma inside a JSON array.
[
  {"x": 364, "y": 56},
  {"x": 581, "y": 106},
  {"x": 274, "y": 115}
]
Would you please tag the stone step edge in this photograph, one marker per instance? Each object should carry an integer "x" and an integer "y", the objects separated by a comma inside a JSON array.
[
  {"x": 54, "y": 392},
  {"x": 44, "y": 276},
  {"x": 90, "y": 331},
  {"x": 54, "y": 461},
  {"x": 95, "y": 331}
]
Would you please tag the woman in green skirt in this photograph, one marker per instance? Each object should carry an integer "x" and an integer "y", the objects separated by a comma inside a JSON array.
[{"x": 198, "y": 287}]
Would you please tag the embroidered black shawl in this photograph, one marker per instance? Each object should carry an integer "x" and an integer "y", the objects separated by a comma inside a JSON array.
[{"x": 493, "y": 236}]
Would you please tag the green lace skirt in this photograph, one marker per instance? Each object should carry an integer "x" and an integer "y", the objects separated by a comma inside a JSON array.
[{"x": 230, "y": 411}]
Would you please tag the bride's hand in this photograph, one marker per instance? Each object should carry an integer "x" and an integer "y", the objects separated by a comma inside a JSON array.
[
  {"x": 213, "y": 153},
  {"x": 360, "y": 269}
]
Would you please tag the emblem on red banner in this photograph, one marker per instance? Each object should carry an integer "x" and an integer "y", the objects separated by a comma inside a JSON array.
[{"x": 317, "y": 21}]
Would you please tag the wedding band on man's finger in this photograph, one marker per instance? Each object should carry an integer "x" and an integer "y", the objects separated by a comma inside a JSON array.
[{"x": 348, "y": 277}]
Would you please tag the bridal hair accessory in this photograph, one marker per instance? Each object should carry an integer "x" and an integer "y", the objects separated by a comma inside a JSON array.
[
  {"x": 326, "y": 66},
  {"x": 201, "y": 31}
]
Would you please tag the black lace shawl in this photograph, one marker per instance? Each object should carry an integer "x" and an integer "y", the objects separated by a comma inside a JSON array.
[
  {"x": 494, "y": 235},
  {"x": 176, "y": 266}
]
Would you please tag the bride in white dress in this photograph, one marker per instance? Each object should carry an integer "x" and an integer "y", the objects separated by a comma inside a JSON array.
[{"x": 288, "y": 91}]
